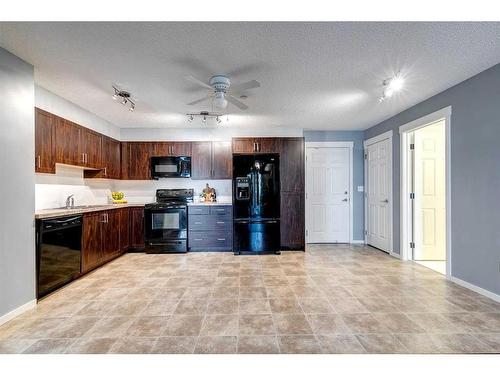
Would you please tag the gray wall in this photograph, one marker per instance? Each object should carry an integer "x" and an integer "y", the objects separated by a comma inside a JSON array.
[
  {"x": 17, "y": 186},
  {"x": 475, "y": 174},
  {"x": 358, "y": 174}
]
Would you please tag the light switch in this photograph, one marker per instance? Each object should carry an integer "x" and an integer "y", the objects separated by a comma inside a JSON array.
[{"x": 361, "y": 189}]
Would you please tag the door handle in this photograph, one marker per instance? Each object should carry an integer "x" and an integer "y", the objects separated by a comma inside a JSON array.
[
  {"x": 345, "y": 200},
  {"x": 385, "y": 201}
]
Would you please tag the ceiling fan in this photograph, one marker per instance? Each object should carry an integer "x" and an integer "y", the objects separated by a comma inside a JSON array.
[{"x": 221, "y": 90}]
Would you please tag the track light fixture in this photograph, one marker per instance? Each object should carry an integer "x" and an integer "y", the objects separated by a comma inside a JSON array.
[
  {"x": 205, "y": 116},
  {"x": 125, "y": 97},
  {"x": 391, "y": 86}
]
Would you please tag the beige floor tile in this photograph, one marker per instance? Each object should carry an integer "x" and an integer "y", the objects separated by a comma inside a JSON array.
[
  {"x": 159, "y": 308},
  {"x": 315, "y": 306},
  {"x": 492, "y": 339},
  {"x": 253, "y": 292},
  {"x": 364, "y": 323},
  {"x": 216, "y": 345},
  {"x": 95, "y": 308},
  {"x": 258, "y": 345},
  {"x": 340, "y": 344},
  {"x": 254, "y": 306},
  {"x": 114, "y": 326},
  {"x": 220, "y": 325},
  {"x": 127, "y": 308},
  {"x": 184, "y": 325},
  {"x": 462, "y": 343},
  {"x": 133, "y": 345},
  {"x": 226, "y": 292},
  {"x": 73, "y": 328},
  {"x": 258, "y": 324},
  {"x": 433, "y": 322},
  {"x": 421, "y": 343},
  {"x": 399, "y": 323},
  {"x": 347, "y": 305},
  {"x": 36, "y": 328},
  {"x": 189, "y": 306},
  {"x": 15, "y": 346},
  {"x": 292, "y": 324},
  {"x": 280, "y": 292},
  {"x": 327, "y": 324},
  {"x": 49, "y": 346},
  {"x": 90, "y": 345},
  {"x": 223, "y": 306},
  {"x": 148, "y": 326},
  {"x": 285, "y": 306},
  {"x": 174, "y": 345},
  {"x": 381, "y": 343},
  {"x": 299, "y": 344}
]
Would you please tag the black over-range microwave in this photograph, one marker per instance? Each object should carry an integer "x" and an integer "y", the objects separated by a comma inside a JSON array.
[{"x": 170, "y": 166}]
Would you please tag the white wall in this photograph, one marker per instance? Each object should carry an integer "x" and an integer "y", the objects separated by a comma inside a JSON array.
[
  {"x": 53, "y": 103},
  {"x": 17, "y": 155}
]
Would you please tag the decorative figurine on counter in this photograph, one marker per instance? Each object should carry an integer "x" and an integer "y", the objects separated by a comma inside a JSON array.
[{"x": 209, "y": 194}]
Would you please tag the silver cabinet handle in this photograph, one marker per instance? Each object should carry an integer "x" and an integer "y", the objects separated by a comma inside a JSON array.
[
  {"x": 197, "y": 222},
  {"x": 105, "y": 171},
  {"x": 221, "y": 239},
  {"x": 38, "y": 161},
  {"x": 198, "y": 239},
  {"x": 221, "y": 222}
]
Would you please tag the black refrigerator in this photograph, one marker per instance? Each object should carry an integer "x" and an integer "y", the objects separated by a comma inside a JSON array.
[{"x": 256, "y": 196}]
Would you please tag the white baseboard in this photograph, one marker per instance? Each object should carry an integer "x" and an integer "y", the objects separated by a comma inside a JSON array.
[
  {"x": 395, "y": 255},
  {"x": 474, "y": 288},
  {"x": 358, "y": 242},
  {"x": 16, "y": 312}
]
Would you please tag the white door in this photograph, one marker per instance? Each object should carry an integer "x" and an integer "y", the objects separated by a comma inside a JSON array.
[
  {"x": 327, "y": 195},
  {"x": 429, "y": 187},
  {"x": 378, "y": 164}
]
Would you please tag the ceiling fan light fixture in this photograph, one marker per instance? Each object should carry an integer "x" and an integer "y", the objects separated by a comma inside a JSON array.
[{"x": 219, "y": 100}]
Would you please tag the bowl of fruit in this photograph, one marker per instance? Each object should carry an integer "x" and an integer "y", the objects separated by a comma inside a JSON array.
[{"x": 118, "y": 197}]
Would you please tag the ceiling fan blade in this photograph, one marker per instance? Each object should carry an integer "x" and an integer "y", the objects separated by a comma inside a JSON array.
[
  {"x": 198, "y": 82},
  {"x": 199, "y": 100},
  {"x": 245, "y": 86},
  {"x": 231, "y": 99}
]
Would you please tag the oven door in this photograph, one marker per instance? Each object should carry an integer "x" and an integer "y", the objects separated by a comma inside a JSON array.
[{"x": 166, "y": 223}]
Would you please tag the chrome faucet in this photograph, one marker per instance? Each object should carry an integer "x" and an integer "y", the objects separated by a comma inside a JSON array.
[{"x": 70, "y": 201}]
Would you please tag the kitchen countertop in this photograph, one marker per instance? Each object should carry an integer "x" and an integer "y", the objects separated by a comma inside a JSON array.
[{"x": 57, "y": 212}]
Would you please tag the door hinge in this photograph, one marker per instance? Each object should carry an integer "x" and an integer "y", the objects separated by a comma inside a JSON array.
[
  {"x": 412, "y": 195},
  {"x": 412, "y": 146},
  {"x": 307, "y": 232},
  {"x": 412, "y": 245},
  {"x": 366, "y": 232},
  {"x": 366, "y": 156}
]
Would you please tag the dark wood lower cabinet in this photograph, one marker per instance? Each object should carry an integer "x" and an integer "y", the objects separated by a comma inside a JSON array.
[
  {"x": 91, "y": 240},
  {"x": 111, "y": 235},
  {"x": 124, "y": 230},
  {"x": 136, "y": 219},
  {"x": 292, "y": 221}
]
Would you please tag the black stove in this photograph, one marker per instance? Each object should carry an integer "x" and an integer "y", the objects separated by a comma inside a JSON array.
[{"x": 166, "y": 221}]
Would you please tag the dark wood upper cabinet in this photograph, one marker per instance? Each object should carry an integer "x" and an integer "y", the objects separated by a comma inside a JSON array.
[
  {"x": 256, "y": 145},
  {"x": 67, "y": 143},
  {"x": 211, "y": 160},
  {"x": 111, "y": 159},
  {"x": 201, "y": 162},
  {"x": 222, "y": 160},
  {"x": 45, "y": 142},
  {"x": 139, "y": 166},
  {"x": 91, "y": 148},
  {"x": 292, "y": 165},
  {"x": 170, "y": 148},
  {"x": 136, "y": 218}
]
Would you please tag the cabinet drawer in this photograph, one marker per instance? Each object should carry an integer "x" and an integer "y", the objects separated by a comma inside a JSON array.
[
  {"x": 221, "y": 210},
  {"x": 198, "y": 210},
  {"x": 209, "y": 222},
  {"x": 210, "y": 240}
]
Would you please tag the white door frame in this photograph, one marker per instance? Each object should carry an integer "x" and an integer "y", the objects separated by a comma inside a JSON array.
[
  {"x": 406, "y": 220},
  {"x": 381, "y": 137},
  {"x": 350, "y": 146}
]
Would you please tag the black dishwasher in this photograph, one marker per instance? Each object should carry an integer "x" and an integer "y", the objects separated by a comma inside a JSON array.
[{"x": 58, "y": 252}]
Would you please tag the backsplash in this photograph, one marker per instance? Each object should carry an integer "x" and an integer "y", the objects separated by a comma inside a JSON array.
[{"x": 51, "y": 190}]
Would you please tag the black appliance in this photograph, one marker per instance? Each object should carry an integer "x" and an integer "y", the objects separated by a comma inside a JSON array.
[
  {"x": 256, "y": 196},
  {"x": 166, "y": 221},
  {"x": 58, "y": 252},
  {"x": 170, "y": 166}
]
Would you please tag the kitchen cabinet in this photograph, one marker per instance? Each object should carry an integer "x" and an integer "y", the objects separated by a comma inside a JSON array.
[
  {"x": 124, "y": 230},
  {"x": 138, "y": 160},
  {"x": 45, "y": 142},
  {"x": 256, "y": 145},
  {"x": 210, "y": 228},
  {"x": 67, "y": 140},
  {"x": 111, "y": 234},
  {"x": 110, "y": 164},
  {"x": 171, "y": 149},
  {"x": 211, "y": 160},
  {"x": 90, "y": 145},
  {"x": 292, "y": 165},
  {"x": 292, "y": 221},
  {"x": 136, "y": 219},
  {"x": 91, "y": 240}
]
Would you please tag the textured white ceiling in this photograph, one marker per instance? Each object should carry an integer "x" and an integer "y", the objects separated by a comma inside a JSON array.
[{"x": 313, "y": 75}]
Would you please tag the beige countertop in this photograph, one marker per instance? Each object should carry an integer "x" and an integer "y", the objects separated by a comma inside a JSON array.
[
  {"x": 223, "y": 203},
  {"x": 57, "y": 212}
]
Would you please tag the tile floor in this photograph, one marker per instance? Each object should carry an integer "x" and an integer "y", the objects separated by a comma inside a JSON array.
[{"x": 330, "y": 299}]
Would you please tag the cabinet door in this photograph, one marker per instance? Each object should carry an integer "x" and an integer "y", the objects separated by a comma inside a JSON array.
[
  {"x": 222, "y": 160},
  {"x": 201, "y": 162},
  {"x": 67, "y": 140},
  {"x": 111, "y": 161},
  {"x": 136, "y": 227},
  {"x": 292, "y": 221},
  {"x": 292, "y": 165},
  {"x": 139, "y": 161},
  {"x": 244, "y": 145},
  {"x": 180, "y": 148},
  {"x": 268, "y": 145},
  {"x": 45, "y": 143},
  {"x": 111, "y": 234},
  {"x": 91, "y": 146},
  {"x": 91, "y": 240},
  {"x": 124, "y": 230}
]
